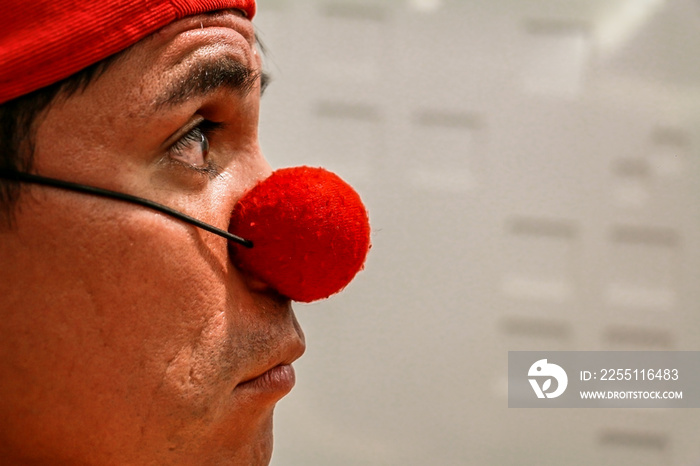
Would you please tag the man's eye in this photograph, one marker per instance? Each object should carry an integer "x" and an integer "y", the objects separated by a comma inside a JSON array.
[{"x": 193, "y": 148}]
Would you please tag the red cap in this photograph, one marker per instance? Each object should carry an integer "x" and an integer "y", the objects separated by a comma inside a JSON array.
[{"x": 45, "y": 41}]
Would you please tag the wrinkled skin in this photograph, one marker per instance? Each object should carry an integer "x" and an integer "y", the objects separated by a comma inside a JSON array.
[{"x": 126, "y": 336}]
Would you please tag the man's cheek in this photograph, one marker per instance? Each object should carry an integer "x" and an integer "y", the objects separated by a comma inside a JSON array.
[
  {"x": 206, "y": 360},
  {"x": 163, "y": 301}
]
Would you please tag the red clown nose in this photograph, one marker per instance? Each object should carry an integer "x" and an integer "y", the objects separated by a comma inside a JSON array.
[{"x": 310, "y": 233}]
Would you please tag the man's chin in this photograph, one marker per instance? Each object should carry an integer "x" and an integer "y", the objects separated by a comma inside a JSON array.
[{"x": 249, "y": 445}]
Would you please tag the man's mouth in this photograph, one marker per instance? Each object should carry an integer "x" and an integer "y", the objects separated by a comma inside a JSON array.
[
  {"x": 276, "y": 378},
  {"x": 277, "y": 381}
]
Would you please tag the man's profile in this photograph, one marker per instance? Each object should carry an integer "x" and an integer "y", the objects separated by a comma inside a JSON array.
[{"x": 127, "y": 337}]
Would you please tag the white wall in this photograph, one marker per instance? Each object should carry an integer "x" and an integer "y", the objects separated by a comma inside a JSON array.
[{"x": 532, "y": 174}]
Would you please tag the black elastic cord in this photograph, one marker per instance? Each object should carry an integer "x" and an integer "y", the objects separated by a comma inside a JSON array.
[{"x": 81, "y": 188}]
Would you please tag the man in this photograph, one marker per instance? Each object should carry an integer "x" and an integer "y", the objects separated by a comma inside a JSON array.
[{"x": 127, "y": 337}]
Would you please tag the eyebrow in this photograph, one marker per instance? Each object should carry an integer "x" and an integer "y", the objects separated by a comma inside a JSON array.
[{"x": 210, "y": 76}]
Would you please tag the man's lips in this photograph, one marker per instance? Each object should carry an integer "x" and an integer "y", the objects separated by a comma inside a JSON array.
[{"x": 278, "y": 380}]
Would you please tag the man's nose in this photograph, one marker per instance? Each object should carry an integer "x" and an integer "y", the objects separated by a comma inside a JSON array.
[{"x": 309, "y": 231}]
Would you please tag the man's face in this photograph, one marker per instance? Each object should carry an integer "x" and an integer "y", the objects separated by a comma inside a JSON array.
[{"x": 127, "y": 337}]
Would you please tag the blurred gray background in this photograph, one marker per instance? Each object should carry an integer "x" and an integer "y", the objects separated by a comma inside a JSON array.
[{"x": 532, "y": 174}]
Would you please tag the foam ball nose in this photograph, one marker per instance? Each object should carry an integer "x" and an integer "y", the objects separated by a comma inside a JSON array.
[{"x": 310, "y": 233}]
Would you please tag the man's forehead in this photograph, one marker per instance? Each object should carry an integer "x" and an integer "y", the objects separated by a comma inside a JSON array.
[
  {"x": 45, "y": 41},
  {"x": 198, "y": 56}
]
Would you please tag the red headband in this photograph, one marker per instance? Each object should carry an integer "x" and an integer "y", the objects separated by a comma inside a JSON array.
[{"x": 45, "y": 41}]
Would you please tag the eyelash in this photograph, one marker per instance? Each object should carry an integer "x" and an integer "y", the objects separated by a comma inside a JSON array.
[{"x": 198, "y": 134}]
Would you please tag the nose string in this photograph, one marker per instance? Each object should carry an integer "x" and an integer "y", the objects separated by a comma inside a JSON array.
[{"x": 23, "y": 177}]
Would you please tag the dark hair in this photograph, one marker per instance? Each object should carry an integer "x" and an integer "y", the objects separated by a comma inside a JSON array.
[{"x": 18, "y": 123}]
